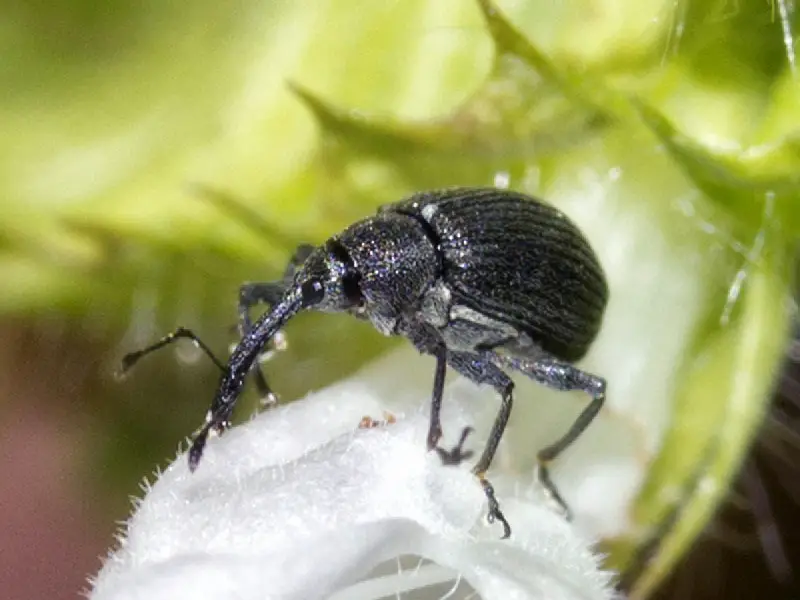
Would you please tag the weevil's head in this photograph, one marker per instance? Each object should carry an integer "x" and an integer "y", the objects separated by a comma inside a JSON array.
[
  {"x": 328, "y": 280},
  {"x": 377, "y": 268}
]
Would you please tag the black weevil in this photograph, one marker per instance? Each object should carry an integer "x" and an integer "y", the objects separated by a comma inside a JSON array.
[{"x": 483, "y": 279}]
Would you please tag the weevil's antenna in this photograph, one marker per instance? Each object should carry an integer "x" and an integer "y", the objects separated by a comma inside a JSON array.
[{"x": 242, "y": 358}]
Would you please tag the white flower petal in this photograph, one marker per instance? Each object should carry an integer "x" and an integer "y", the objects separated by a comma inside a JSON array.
[{"x": 300, "y": 503}]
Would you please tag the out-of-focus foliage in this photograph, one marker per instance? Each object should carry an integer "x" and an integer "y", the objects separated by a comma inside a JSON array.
[{"x": 154, "y": 155}]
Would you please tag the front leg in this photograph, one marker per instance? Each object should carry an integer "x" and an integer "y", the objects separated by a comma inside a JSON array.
[{"x": 251, "y": 294}]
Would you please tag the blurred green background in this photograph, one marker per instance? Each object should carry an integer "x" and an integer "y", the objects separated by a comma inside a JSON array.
[{"x": 154, "y": 155}]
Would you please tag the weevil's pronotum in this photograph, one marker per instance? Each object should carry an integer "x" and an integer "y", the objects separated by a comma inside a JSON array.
[{"x": 484, "y": 280}]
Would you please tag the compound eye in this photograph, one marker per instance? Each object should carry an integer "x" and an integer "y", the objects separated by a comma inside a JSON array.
[
  {"x": 351, "y": 286},
  {"x": 312, "y": 292}
]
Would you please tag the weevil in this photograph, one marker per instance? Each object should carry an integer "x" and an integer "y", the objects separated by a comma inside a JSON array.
[{"x": 484, "y": 280}]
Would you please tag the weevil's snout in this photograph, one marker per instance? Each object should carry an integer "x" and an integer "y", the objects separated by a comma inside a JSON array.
[
  {"x": 200, "y": 439},
  {"x": 307, "y": 293},
  {"x": 217, "y": 419}
]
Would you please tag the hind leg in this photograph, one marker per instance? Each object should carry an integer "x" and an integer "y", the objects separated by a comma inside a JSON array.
[
  {"x": 479, "y": 369},
  {"x": 562, "y": 376}
]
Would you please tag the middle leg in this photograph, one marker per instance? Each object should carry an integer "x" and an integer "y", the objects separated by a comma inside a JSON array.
[{"x": 479, "y": 369}]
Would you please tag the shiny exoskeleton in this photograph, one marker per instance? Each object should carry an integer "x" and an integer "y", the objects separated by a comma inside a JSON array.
[{"x": 484, "y": 280}]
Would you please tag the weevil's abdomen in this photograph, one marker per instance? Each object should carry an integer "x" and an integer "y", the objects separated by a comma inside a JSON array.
[{"x": 517, "y": 260}]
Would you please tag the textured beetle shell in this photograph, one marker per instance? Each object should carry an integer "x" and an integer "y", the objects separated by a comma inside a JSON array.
[{"x": 516, "y": 260}]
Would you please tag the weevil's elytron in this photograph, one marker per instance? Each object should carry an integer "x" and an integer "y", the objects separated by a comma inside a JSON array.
[{"x": 484, "y": 280}]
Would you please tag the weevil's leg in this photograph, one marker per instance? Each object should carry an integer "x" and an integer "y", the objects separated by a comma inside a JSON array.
[
  {"x": 457, "y": 454},
  {"x": 130, "y": 359},
  {"x": 481, "y": 370},
  {"x": 300, "y": 255},
  {"x": 427, "y": 341},
  {"x": 560, "y": 376},
  {"x": 435, "y": 423},
  {"x": 251, "y": 294}
]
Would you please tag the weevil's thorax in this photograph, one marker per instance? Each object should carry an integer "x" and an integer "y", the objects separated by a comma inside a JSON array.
[{"x": 397, "y": 263}]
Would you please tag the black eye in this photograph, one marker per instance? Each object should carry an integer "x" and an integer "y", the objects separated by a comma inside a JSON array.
[
  {"x": 312, "y": 292},
  {"x": 351, "y": 286}
]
